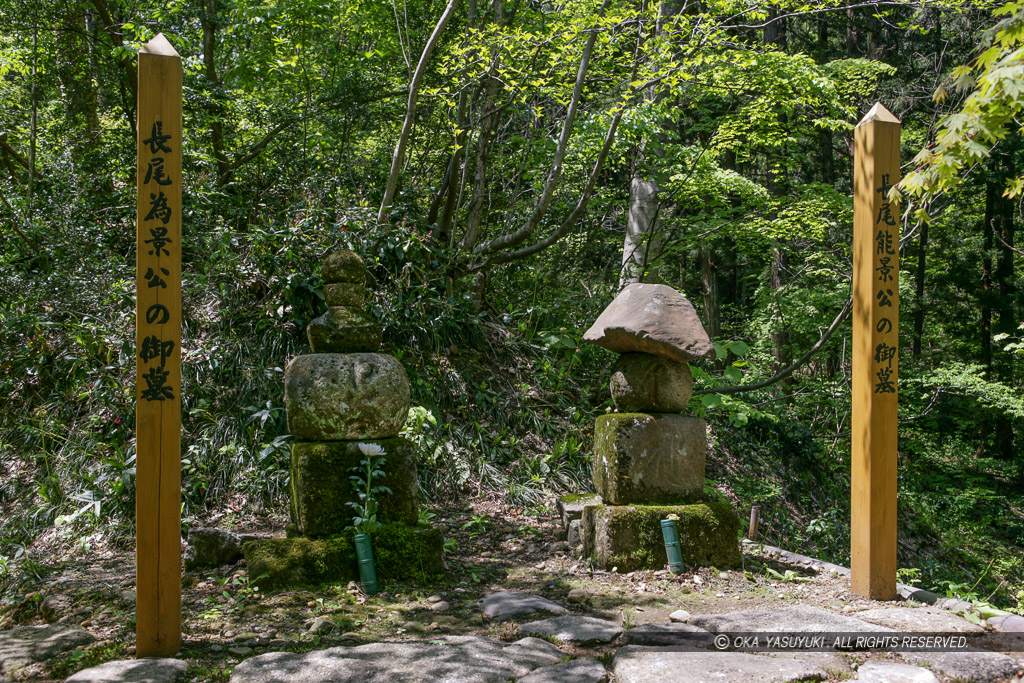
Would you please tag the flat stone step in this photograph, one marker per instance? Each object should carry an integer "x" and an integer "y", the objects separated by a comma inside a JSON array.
[
  {"x": 454, "y": 659},
  {"x": 919, "y": 619},
  {"x": 800, "y": 618},
  {"x": 586, "y": 670},
  {"x": 675, "y": 634},
  {"x": 164, "y": 670},
  {"x": 633, "y": 664},
  {"x": 509, "y": 604},
  {"x": 24, "y": 645},
  {"x": 883, "y": 672},
  {"x": 572, "y": 629},
  {"x": 976, "y": 667}
]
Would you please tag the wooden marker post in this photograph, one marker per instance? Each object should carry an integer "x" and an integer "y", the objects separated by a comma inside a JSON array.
[
  {"x": 876, "y": 306},
  {"x": 158, "y": 353}
]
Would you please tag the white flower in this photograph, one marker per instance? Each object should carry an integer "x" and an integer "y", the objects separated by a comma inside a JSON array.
[{"x": 371, "y": 449}]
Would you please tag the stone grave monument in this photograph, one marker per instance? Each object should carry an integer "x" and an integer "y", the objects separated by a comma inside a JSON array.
[
  {"x": 342, "y": 395},
  {"x": 648, "y": 457}
]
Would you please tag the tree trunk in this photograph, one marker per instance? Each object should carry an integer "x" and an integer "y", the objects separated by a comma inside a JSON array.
[
  {"x": 74, "y": 74},
  {"x": 410, "y": 112},
  {"x": 208, "y": 17},
  {"x": 709, "y": 274},
  {"x": 922, "y": 252},
  {"x": 642, "y": 244}
]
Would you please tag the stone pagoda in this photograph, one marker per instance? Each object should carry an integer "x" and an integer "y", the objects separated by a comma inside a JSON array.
[
  {"x": 345, "y": 393},
  {"x": 649, "y": 457}
]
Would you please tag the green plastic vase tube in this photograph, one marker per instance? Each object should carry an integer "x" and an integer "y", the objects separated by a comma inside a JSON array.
[
  {"x": 670, "y": 532},
  {"x": 367, "y": 572}
]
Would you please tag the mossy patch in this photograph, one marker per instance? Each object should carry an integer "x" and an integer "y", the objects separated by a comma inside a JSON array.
[
  {"x": 321, "y": 488},
  {"x": 629, "y": 536},
  {"x": 344, "y": 329},
  {"x": 401, "y": 552}
]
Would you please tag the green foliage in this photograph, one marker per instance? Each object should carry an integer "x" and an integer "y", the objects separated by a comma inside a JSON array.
[{"x": 364, "y": 480}]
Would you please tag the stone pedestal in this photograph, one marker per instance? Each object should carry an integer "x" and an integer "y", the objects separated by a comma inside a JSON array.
[
  {"x": 649, "y": 460},
  {"x": 628, "y": 537},
  {"x": 338, "y": 400}
]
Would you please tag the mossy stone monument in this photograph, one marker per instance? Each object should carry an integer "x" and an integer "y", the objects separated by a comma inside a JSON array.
[
  {"x": 342, "y": 395},
  {"x": 649, "y": 459}
]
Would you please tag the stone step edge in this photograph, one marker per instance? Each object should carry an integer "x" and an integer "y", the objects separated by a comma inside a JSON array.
[{"x": 1011, "y": 623}]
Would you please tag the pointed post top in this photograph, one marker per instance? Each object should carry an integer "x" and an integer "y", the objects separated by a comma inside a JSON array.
[
  {"x": 877, "y": 113},
  {"x": 159, "y": 46}
]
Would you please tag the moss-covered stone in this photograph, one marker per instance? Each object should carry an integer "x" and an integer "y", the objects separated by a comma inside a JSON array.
[
  {"x": 343, "y": 266},
  {"x": 345, "y": 293},
  {"x": 343, "y": 396},
  {"x": 344, "y": 329},
  {"x": 571, "y": 506},
  {"x": 649, "y": 458},
  {"x": 321, "y": 489},
  {"x": 628, "y": 537},
  {"x": 401, "y": 552}
]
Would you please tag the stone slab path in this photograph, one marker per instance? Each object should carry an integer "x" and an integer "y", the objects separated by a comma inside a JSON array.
[
  {"x": 133, "y": 671},
  {"x": 505, "y": 605},
  {"x": 25, "y": 645},
  {"x": 571, "y": 629},
  {"x": 587, "y": 649},
  {"x": 451, "y": 659}
]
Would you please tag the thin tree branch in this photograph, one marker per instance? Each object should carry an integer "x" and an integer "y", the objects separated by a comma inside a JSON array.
[
  {"x": 788, "y": 370},
  {"x": 514, "y": 238},
  {"x": 410, "y": 111}
]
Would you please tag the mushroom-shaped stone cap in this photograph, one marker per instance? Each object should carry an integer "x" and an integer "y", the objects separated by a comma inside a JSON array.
[
  {"x": 343, "y": 266},
  {"x": 655, "y": 319}
]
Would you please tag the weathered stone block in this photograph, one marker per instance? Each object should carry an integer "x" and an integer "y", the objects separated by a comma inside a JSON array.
[
  {"x": 629, "y": 536},
  {"x": 345, "y": 294},
  {"x": 642, "y": 382},
  {"x": 321, "y": 489},
  {"x": 343, "y": 329},
  {"x": 571, "y": 507},
  {"x": 400, "y": 552},
  {"x": 334, "y": 397},
  {"x": 654, "y": 319},
  {"x": 343, "y": 266},
  {"x": 646, "y": 458}
]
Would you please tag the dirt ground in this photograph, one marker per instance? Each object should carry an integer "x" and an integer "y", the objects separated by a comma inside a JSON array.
[{"x": 491, "y": 547}]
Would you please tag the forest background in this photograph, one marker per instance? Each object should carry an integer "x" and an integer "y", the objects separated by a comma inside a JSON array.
[{"x": 504, "y": 168}]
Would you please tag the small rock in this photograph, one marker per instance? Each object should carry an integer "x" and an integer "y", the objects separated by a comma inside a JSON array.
[
  {"x": 723, "y": 575},
  {"x": 216, "y": 648},
  {"x": 680, "y": 616},
  {"x": 320, "y": 626},
  {"x": 228, "y": 635},
  {"x": 719, "y": 595},
  {"x": 486, "y": 554},
  {"x": 435, "y": 598},
  {"x": 54, "y": 606},
  {"x": 240, "y": 651},
  {"x": 697, "y": 580},
  {"x": 442, "y": 606},
  {"x": 578, "y": 595},
  {"x": 508, "y": 604},
  {"x": 263, "y": 641},
  {"x": 86, "y": 624}
]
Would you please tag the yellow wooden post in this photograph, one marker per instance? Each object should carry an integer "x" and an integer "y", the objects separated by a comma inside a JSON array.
[
  {"x": 876, "y": 305},
  {"x": 158, "y": 353}
]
